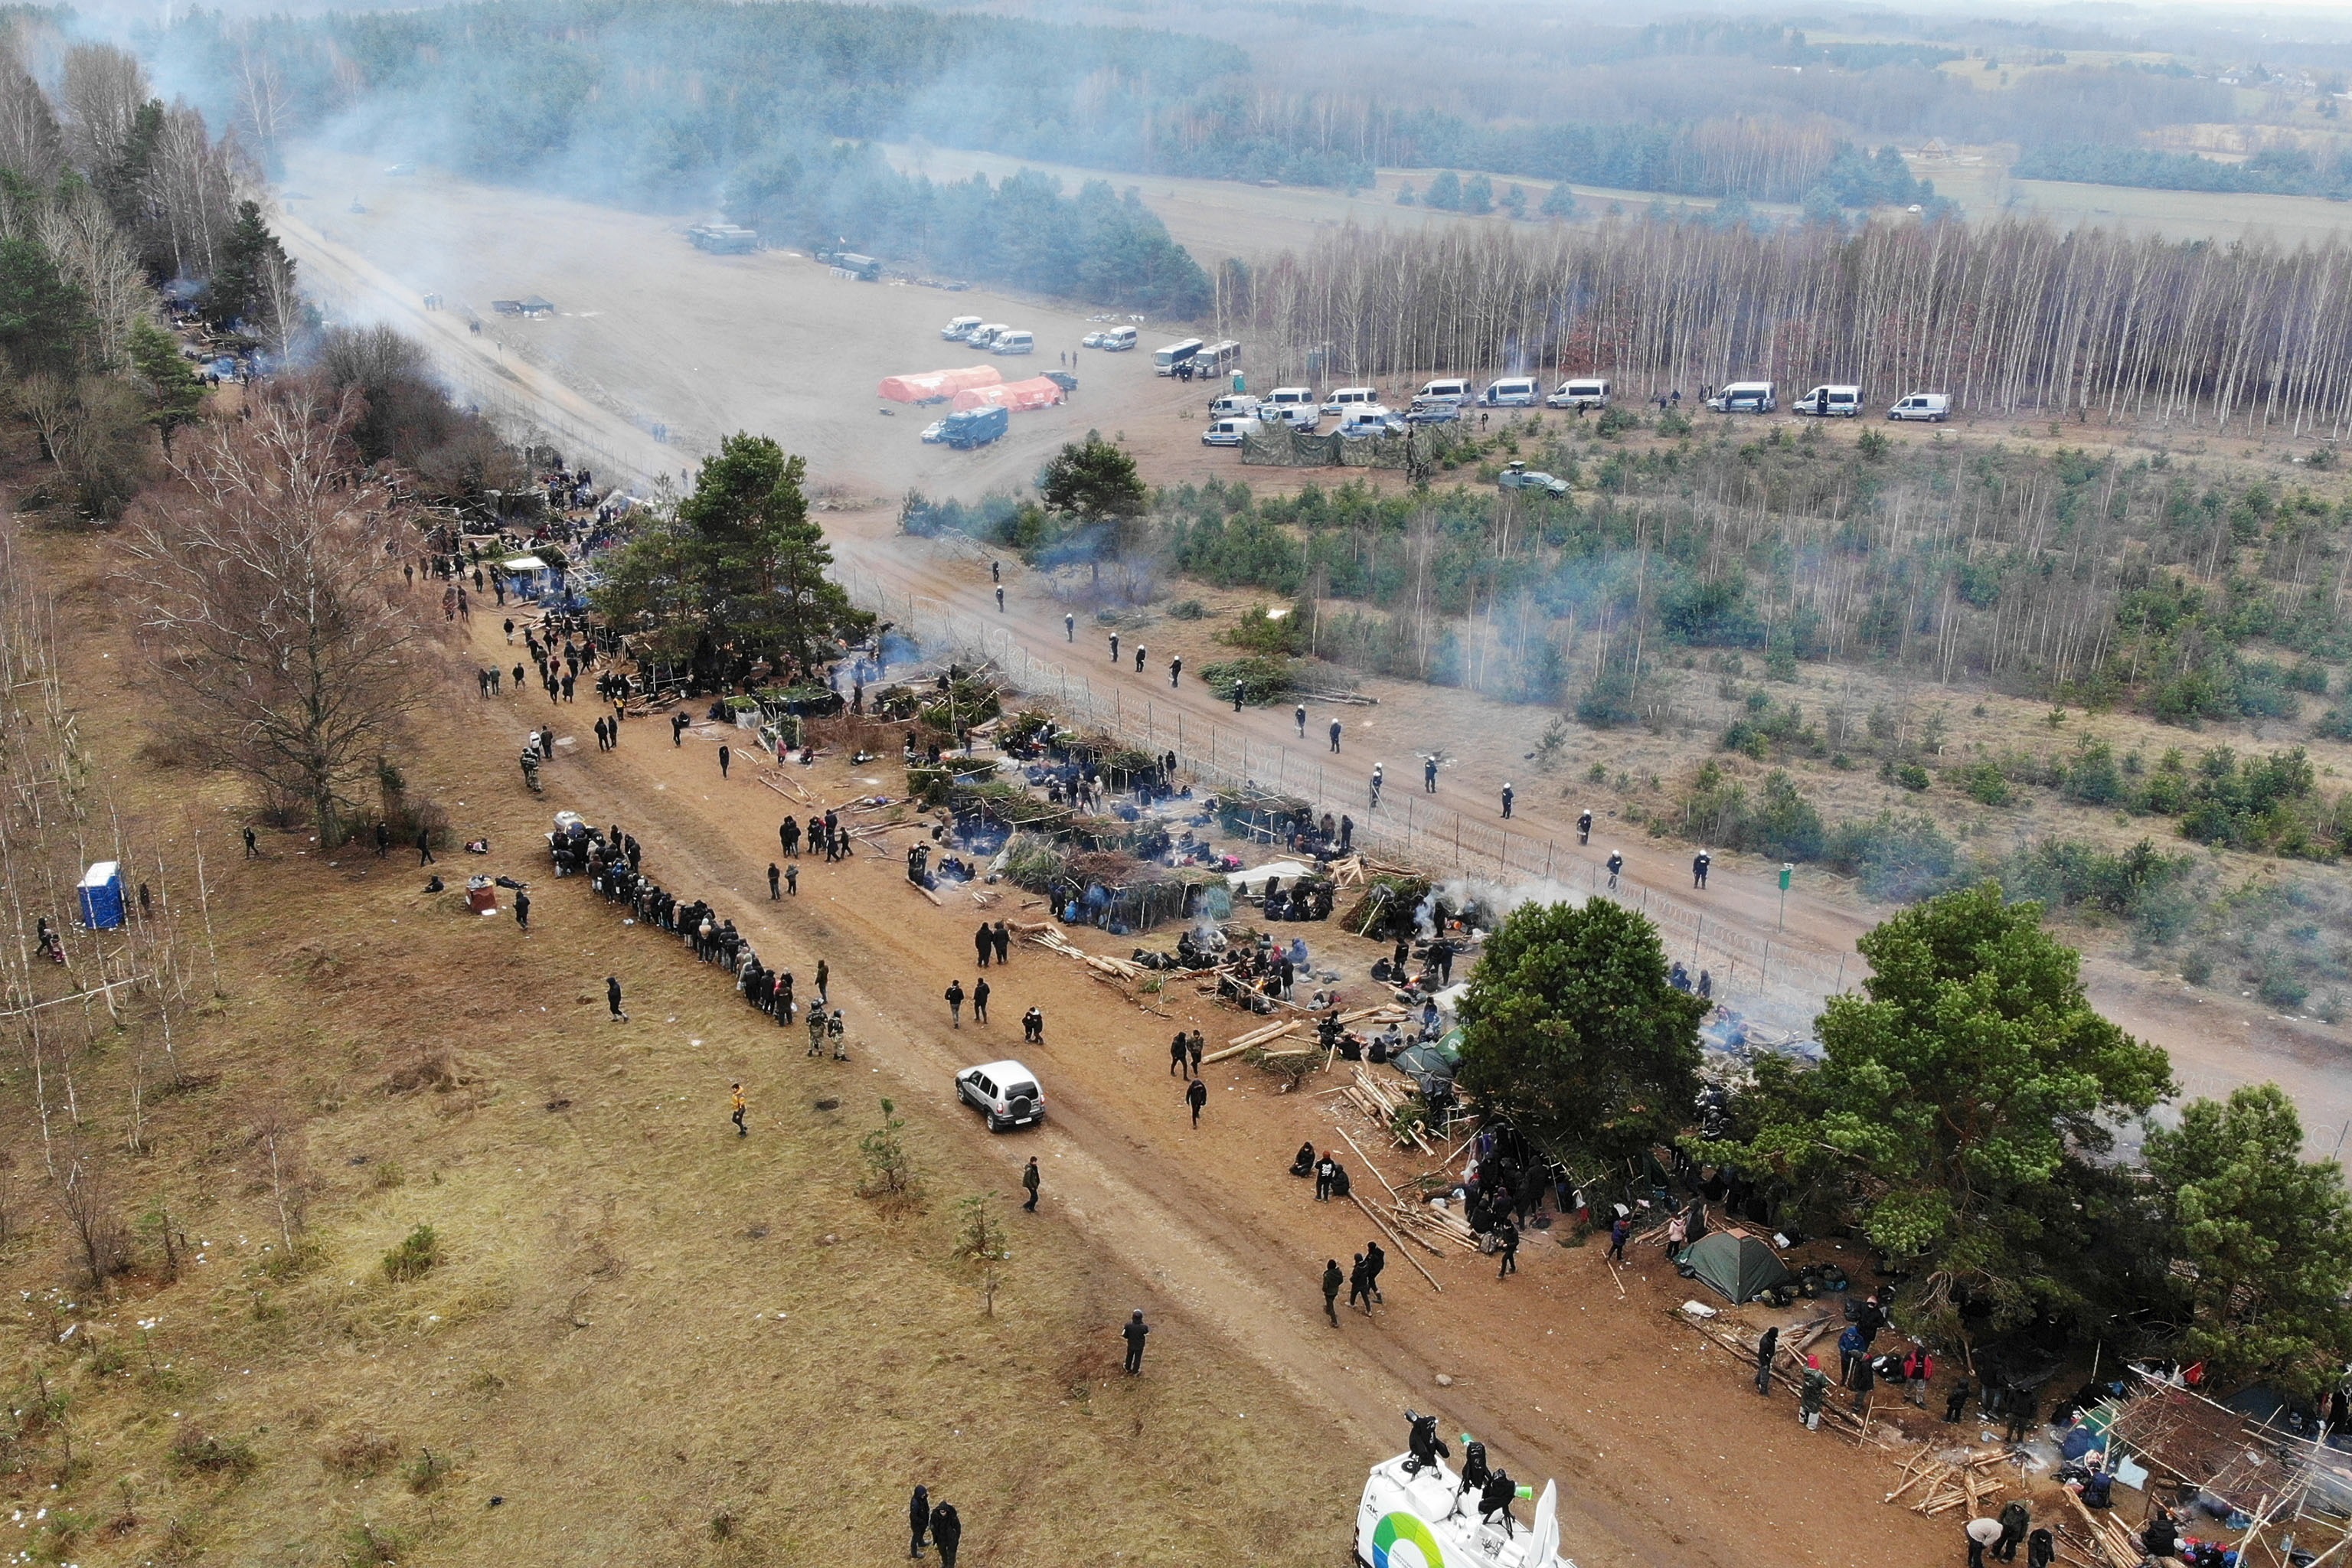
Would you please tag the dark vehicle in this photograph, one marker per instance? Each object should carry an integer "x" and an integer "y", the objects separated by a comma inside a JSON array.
[
  {"x": 1063, "y": 378},
  {"x": 849, "y": 263},
  {"x": 974, "y": 427}
]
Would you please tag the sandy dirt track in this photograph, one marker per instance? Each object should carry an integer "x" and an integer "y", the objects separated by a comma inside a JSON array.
[
  {"x": 651, "y": 312},
  {"x": 1662, "y": 1458},
  {"x": 651, "y": 331}
]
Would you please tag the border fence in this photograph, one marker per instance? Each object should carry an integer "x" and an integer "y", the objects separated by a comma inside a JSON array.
[{"x": 1408, "y": 828}]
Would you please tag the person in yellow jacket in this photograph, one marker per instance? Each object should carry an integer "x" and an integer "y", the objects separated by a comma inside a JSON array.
[{"x": 741, "y": 1105}]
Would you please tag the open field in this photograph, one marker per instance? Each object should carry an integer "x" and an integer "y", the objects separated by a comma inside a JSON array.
[{"x": 1986, "y": 186}]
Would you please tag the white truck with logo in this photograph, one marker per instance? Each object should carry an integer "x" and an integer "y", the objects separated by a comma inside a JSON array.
[{"x": 1408, "y": 1519}]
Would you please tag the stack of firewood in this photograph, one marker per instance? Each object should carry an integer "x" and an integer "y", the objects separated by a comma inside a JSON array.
[{"x": 1937, "y": 1486}]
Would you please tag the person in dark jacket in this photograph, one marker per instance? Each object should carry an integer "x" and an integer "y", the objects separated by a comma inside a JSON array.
[
  {"x": 1766, "y": 1348},
  {"x": 1332, "y": 1281},
  {"x": 919, "y": 1520},
  {"x": 2016, "y": 1520},
  {"x": 2161, "y": 1538},
  {"x": 1135, "y": 1332},
  {"x": 947, "y": 1533}
]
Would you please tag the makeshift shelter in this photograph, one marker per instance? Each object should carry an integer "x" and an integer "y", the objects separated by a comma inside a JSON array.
[
  {"x": 1741, "y": 1266},
  {"x": 932, "y": 386}
]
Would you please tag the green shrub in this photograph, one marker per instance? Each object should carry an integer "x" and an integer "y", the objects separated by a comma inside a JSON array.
[
  {"x": 1983, "y": 783},
  {"x": 2196, "y": 968},
  {"x": 418, "y": 1254},
  {"x": 1895, "y": 857},
  {"x": 1265, "y": 630},
  {"x": 1187, "y": 610},
  {"x": 1912, "y": 777},
  {"x": 1262, "y": 679},
  {"x": 1616, "y": 420}
]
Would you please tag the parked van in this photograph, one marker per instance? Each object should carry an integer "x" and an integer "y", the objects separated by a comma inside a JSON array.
[
  {"x": 1015, "y": 340},
  {"x": 1934, "y": 407},
  {"x": 1513, "y": 392},
  {"x": 1458, "y": 390},
  {"x": 1293, "y": 405},
  {"x": 982, "y": 336},
  {"x": 1744, "y": 397},
  {"x": 1233, "y": 403},
  {"x": 1217, "y": 358},
  {"x": 1580, "y": 392},
  {"x": 1167, "y": 361},
  {"x": 1344, "y": 398},
  {"x": 1228, "y": 431},
  {"x": 955, "y": 331},
  {"x": 974, "y": 427},
  {"x": 1118, "y": 340},
  {"x": 1830, "y": 403}
]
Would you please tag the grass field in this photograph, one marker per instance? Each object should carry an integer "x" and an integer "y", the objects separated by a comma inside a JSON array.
[{"x": 645, "y": 1341}]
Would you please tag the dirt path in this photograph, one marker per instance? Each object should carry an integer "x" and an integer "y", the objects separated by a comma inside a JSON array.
[{"x": 1563, "y": 1374}]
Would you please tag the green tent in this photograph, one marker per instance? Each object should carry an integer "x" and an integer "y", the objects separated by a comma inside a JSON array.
[{"x": 1741, "y": 1266}]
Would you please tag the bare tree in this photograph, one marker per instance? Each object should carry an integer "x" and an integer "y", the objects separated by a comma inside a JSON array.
[
  {"x": 91, "y": 251},
  {"x": 30, "y": 142},
  {"x": 280, "y": 1143},
  {"x": 87, "y": 1201},
  {"x": 102, "y": 91},
  {"x": 273, "y": 588},
  {"x": 262, "y": 103}
]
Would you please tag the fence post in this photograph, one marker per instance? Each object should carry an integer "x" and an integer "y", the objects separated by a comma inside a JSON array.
[{"x": 1764, "y": 966}]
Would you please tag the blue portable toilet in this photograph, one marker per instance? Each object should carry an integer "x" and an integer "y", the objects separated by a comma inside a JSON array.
[{"x": 102, "y": 896}]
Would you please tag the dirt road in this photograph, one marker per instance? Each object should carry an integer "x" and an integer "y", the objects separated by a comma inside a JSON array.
[
  {"x": 656, "y": 350},
  {"x": 1562, "y": 1373}
]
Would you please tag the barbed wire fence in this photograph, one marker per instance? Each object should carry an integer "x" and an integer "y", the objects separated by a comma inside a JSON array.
[{"x": 1790, "y": 979}]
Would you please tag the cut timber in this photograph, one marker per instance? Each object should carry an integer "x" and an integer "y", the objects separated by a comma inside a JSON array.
[
  {"x": 925, "y": 892},
  {"x": 1392, "y": 1236},
  {"x": 1366, "y": 1159}
]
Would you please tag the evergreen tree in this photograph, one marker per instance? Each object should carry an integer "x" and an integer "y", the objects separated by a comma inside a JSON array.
[
  {"x": 45, "y": 323},
  {"x": 166, "y": 382},
  {"x": 239, "y": 290}
]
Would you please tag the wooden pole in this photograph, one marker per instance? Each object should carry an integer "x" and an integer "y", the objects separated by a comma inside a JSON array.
[{"x": 1403, "y": 1251}]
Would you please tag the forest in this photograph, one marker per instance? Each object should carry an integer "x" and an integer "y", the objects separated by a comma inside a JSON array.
[
  {"x": 2008, "y": 316},
  {"x": 2274, "y": 171}
]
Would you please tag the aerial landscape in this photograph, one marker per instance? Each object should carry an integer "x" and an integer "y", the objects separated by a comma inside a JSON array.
[{"x": 1678, "y": 682}]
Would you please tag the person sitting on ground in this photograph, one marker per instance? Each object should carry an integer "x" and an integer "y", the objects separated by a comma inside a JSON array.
[{"x": 1304, "y": 1165}]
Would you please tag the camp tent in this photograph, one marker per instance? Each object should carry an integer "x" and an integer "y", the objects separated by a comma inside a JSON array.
[
  {"x": 1038, "y": 391},
  {"x": 931, "y": 386},
  {"x": 1741, "y": 1266}
]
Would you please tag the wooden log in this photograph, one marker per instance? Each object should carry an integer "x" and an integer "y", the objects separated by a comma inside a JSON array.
[
  {"x": 925, "y": 892},
  {"x": 1366, "y": 1159}
]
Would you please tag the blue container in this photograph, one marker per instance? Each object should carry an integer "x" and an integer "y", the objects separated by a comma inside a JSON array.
[{"x": 102, "y": 896}]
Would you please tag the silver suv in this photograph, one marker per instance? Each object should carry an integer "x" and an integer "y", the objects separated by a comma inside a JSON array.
[{"x": 1005, "y": 1092}]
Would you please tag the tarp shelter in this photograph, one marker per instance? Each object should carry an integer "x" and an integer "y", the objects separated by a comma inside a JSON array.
[
  {"x": 1741, "y": 1266},
  {"x": 1254, "y": 879},
  {"x": 1037, "y": 392},
  {"x": 932, "y": 386}
]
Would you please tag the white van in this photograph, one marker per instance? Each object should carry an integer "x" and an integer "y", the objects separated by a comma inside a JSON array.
[
  {"x": 1229, "y": 431},
  {"x": 1234, "y": 404},
  {"x": 1364, "y": 419},
  {"x": 1458, "y": 390},
  {"x": 1118, "y": 340},
  {"x": 1168, "y": 361},
  {"x": 1293, "y": 405},
  {"x": 1933, "y": 407},
  {"x": 1513, "y": 392},
  {"x": 1580, "y": 392},
  {"x": 1744, "y": 397},
  {"x": 984, "y": 336},
  {"x": 1347, "y": 398},
  {"x": 955, "y": 331},
  {"x": 1831, "y": 402},
  {"x": 1014, "y": 341}
]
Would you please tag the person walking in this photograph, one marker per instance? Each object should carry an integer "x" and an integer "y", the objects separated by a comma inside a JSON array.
[
  {"x": 1982, "y": 1532},
  {"x": 1767, "y": 1347},
  {"x": 253, "y": 849},
  {"x": 775, "y": 881},
  {"x": 382, "y": 838},
  {"x": 1029, "y": 1184},
  {"x": 423, "y": 844},
  {"x": 1135, "y": 1332},
  {"x": 1616, "y": 864},
  {"x": 1069, "y": 627},
  {"x": 1359, "y": 1290},
  {"x": 1004, "y": 940},
  {"x": 1114, "y": 648},
  {"x": 1866, "y": 1383},
  {"x": 984, "y": 942},
  {"x": 726, "y": 755},
  {"x": 1378, "y": 779},
  {"x": 1374, "y": 1261},
  {"x": 1033, "y": 1027},
  {"x": 678, "y": 723},
  {"x": 1176, "y": 1056},
  {"x": 1332, "y": 1281},
  {"x": 1175, "y": 670},
  {"x": 1300, "y": 715},
  {"x": 1700, "y": 863},
  {"x": 613, "y": 998},
  {"x": 1194, "y": 1051},
  {"x": 996, "y": 571},
  {"x": 1620, "y": 1230},
  {"x": 1508, "y": 795},
  {"x": 955, "y": 1002},
  {"x": 522, "y": 912},
  {"x": 740, "y": 1106},
  {"x": 822, "y": 973},
  {"x": 792, "y": 879},
  {"x": 979, "y": 1000},
  {"x": 1584, "y": 825},
  {"x": 1508, "y": 1234},
  {"x": 1141, "y": 652},
  {"x": 947, "y": 1533},
  {"x": 1000, "y": 599},
  {"x": 1196, "y": 1095},
  {"x": 1429, "y": 775},
  {"x": 1334, "y": 737},
  {"x": 919, "y": 1520}
]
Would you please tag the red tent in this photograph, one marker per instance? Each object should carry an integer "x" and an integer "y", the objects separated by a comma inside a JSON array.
[
  {"x": 931, "y": 386},
  {"x": 1038, "y": 391}
]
